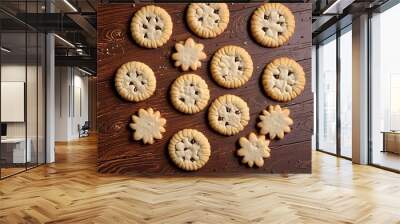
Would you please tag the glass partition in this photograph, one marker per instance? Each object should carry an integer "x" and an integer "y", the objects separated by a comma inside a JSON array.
[
  {"x": 326, "y": 90},
  {"x": 22, "y": 88},
  {"x": 346, "y": 93},
  {"x": 385, "y": 90},
  {"x": 14, "y": 144}
]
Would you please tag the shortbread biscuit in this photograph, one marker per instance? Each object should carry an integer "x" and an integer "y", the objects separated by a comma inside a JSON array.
[
  {"x": 189, "y": 54},
  {"x": 151, "y": 26},
  {"x": 189, "y": 149},
  {"x": 275, "y": 122},
  {"x": 189, "y": 93},
  {"x": 272, "y": 24},
  {"x": 254, "y": 150},
  {"x": 147, "y": 126},
  {"x": 283, "y": 79},
  {"x": 231, "y": 66},
  {"x": 135, "y": 81},
  {"x": 228, "y": 114},
  {"x": 208, "y": 20}
]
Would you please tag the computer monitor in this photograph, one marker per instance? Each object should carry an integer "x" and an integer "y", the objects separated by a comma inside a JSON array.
[{"x": 3, "y": 129}]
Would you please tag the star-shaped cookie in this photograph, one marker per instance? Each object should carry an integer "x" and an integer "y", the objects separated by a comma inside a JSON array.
[
  {"x": 188, "y": 54},
  {"x": 275, "y": 121},
  {"x": 254, "y": 149},
  {"x": 148, "y": 125}
]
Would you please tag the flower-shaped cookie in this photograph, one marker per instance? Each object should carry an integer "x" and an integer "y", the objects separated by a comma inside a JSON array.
[
  {"x": 208, "y": 20},
  {"x": 275, "y": 121},
  {"x": 228, "y": 114},
  {"x": 135, "y": 81},
  {"x": 151, "y": 26},
  {"x": 189, "y": 93},
  {"x": 148, "y": 125},
  {"x": 254, "y": 149},
  {"x": 231, "y": 66},
  {"x": 272, "y": 24},
  {"x": 189, "y": 149},
  {"x": 188, "y": 55},
  {"x": 283, "y": 79}
]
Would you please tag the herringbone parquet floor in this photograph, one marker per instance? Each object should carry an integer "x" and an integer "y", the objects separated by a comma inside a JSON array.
[{"x": 70, "y": 191}]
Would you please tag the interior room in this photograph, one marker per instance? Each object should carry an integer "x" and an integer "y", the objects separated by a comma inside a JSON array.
[{"x": 199, "y": 112}]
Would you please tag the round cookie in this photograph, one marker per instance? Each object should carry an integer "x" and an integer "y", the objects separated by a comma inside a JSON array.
[
  {"x": 148, "y": 125},
  {"x": 207, "y": 20},
  {"x": 254, "y": 149},
  {"x": 272, "y": 24},
  {"x": 188, "y": 55},
  {"x": 189, "y": 93},
  {"x": 231, "y": 66},
  {"x": 151, "y": 26},
  {"x": 283, "y": 79},
  {"x": 189, "y": 149},
  {"x": 135, "y": 81},
  {"x": 228, "y": 114}
]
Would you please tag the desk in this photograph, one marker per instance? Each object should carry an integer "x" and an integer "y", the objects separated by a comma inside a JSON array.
[
  {"x": 16, "y": 147},
  {"x": 391, "y": 141}
]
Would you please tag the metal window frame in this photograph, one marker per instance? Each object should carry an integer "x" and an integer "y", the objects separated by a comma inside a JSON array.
[
  {"x": 380, "y": 9},
  {"x": 44, "y": 74},
  {"x": 338, "y": 34}
]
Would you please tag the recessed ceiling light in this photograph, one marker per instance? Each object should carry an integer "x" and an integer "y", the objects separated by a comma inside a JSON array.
[
  {"x": 5, "y": 50},
  {"x": 70, "y": 5},
  {"x": 84, "y": 71},
  {"x": 64, "y": 40}
]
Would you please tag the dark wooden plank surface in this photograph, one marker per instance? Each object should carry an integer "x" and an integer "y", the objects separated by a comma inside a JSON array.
[{"x": 117, "y": 152}]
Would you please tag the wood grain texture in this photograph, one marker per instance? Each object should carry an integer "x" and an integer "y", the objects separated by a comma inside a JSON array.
[{"x": 117, "y": 152}]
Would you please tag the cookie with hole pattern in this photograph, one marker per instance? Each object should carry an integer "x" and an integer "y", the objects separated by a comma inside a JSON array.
[
  {"x": 189, "y": 149},
  {"x": 231, "y": 66},
  {"x": 228, "y": 114},
  {"x": 135, "y": 81},
  {"x": 283, "y": 79},
  {"x": 207, "y": 20},
  {"x": 189, "y": 93},
  {"x": 272, "y": 24},
  {"x": 151, "y": 26}
]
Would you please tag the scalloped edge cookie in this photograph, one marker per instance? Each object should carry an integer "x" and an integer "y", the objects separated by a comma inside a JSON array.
[
  {"x": 216, "y": 13},
  {"x": 146, "y": 23},
  {"x": 189, "y": 88},
  {"x": 272, "y": 30},
  {"x": 134, "y": 86},
  {"x": 283, "y": 79},
  {"x": 223, "y": 114},
  {"x": 231, "y": 66},
  {"x": 189, "y": 149}
]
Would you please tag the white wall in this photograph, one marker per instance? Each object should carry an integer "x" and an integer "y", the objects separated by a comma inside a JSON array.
[
  {"x": 71, "y": 103},
  {"x": 33, "y": 127}
]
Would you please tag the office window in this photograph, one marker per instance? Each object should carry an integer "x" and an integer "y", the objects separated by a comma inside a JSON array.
[
  {"x": 326, "y": 91},
  {"x": 346, "y": 93},
  {"x": 385, "y": 89}
]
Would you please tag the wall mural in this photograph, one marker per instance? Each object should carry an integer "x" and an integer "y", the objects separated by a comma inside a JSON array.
[{"x": 204, "y": 87}]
